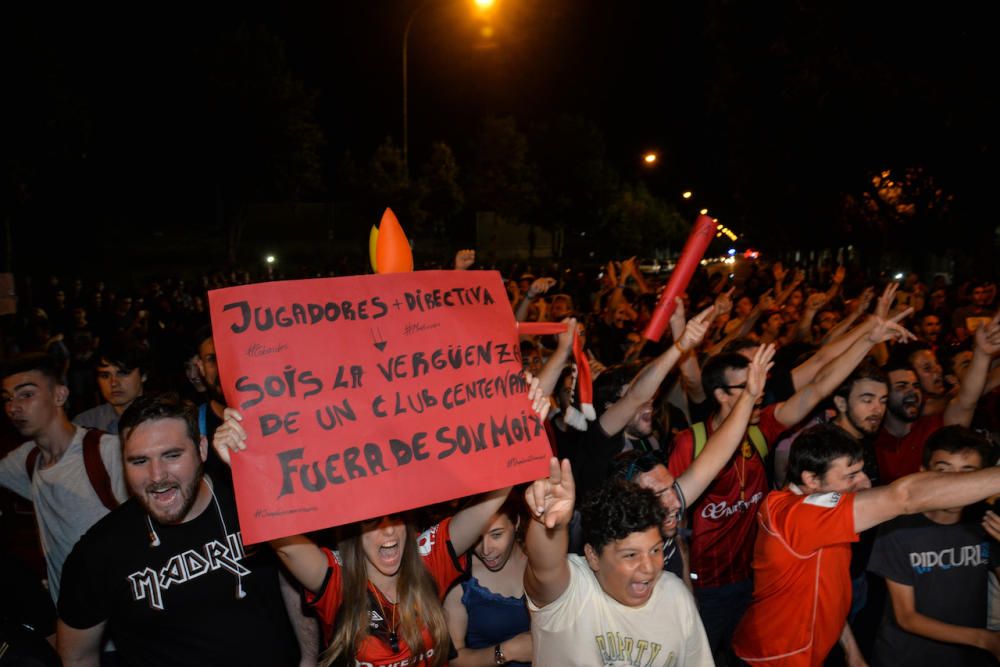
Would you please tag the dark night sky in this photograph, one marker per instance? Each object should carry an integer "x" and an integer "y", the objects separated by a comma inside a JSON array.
[{"x": 767, "y": 110}]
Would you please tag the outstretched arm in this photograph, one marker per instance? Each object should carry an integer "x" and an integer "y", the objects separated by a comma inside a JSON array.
[
  {"x": 923, "y": 492},
  {"x": 724, "y": 441}
]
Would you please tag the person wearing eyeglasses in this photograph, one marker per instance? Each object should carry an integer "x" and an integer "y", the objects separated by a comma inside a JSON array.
[{"x": 650, "y": 470}]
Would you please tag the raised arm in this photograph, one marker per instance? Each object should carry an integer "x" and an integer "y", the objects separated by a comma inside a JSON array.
[
  {"x": 468, "y": 524},
  {"x": 546, "y": 540},
  {"x": 724, "y": 441},
  {"x": 548, "y": 377},
  {"x": 798, "y": 407},
  {"x": 987, "y": 344},
  {"x": 804, "y": 373},
  {"x": 539, "y": 287},
  {"x": 690, "y": 370},
  {"x": 645, "y": 384}
]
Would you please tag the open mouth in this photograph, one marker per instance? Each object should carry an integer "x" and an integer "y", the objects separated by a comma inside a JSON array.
[
  {"x": 640, "y": 589},
  {"x": 164, "y": 495},
  {"x": 388, "y": 553}
]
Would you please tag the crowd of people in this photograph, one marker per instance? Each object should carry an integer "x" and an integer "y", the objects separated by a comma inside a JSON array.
[{"x": 800, "y": 472}]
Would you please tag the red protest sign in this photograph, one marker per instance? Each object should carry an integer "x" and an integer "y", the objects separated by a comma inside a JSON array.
[{"x": 368, "y": 395}]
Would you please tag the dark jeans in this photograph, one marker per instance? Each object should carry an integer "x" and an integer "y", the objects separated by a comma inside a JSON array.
[{"x": 721, "y": 608}]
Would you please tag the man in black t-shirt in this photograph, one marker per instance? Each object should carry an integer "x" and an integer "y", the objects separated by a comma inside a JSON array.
[
  {"x": 167, "y": 574},
  {"x": 935, "y": 566}
]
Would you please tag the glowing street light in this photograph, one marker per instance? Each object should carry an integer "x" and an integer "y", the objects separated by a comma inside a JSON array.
[
  {"x": 650, "y": 158},
  {"x": 704, "y": 211},
  {"x": 269, "y": 259},
  {"x": 483, "y": 5},
  {"x": 687, "y": 194}
]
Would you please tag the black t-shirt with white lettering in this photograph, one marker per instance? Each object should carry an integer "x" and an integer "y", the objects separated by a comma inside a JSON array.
[
  {"x": 947, "y": 566},
  {"x": 177, "y": 603}
]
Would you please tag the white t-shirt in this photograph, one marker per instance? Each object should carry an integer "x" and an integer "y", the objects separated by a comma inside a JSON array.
[
  {"x": 66, "y": 505},
  {"x": 586, "y": 627}
]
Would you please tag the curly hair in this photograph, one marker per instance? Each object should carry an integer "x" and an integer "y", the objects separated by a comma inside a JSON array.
[{"x": 616, "y": 510}]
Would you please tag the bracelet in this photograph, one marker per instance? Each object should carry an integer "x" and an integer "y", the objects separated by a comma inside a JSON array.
[
  {"x": 680, "y": 349},
  {"x": 498, "y": 655}
]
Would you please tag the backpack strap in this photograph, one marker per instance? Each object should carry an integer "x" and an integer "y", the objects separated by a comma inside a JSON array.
[
  {"x": 96, "y": 472},
  {"x": 700, "y": 438},
  {"x": 753, "y": 432},
  {"x": 31, "y": 462},
  {"x": 759, "y": 441},
  {"x": 203, "y": 419}
]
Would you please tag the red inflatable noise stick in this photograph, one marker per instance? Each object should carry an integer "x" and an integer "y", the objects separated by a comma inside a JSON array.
[
  {"x": 701, "y": 235},
  {"x": 584, "y": 383}
]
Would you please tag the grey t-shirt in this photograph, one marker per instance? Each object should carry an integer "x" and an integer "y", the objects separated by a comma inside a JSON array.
[
  {"x": 66, "y": 505},
  {"x": 103, "y": 417}
]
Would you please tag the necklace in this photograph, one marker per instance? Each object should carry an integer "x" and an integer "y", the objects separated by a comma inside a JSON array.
[
  {"x": 393, "y": 637},
  {"x": 741, "y": 474}
]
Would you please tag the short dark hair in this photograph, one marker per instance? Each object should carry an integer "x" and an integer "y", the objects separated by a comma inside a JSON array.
[
  {"x": 955, "y": 439},
  {"x": 201, "y": 335},
  {"x": 947, "y": 353},
  {"x": 616, "y": 510},
  {"x": 608, "y": 385},
  {"x": 819, "y": 446},
  {"x": 865, "y": 371},
  {"x": 629, "y": 465},
  {"x": 125, "y": 353},
  {"x": 33, "y": 361},
  {"x": 713, "y": 375},
  {"x": 150, "y": 407}
]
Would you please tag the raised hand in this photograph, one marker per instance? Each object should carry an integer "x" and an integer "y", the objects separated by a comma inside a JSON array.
[
  {"x": 724, "y": 302},
  {"x": 677, "y": 318},
  {"x": 864, "y": 300},
  {"x": 816, "y": 301},
  {"x": 886, "y": 300},
  {"x": 550, "y": 500},
  {"x": 987, "y": 336},
  {"x": 758, "y": 369},
  {"x": 891, "y": 329},
  {"x": 778, "y": 271},
  {"x": 766, "y": 301},
  {"x": 799, "y": 276},
  {"x": 839, "y": 275},
  {"x": 230, "y": 436},
  {"x": 694, "y": 330},
  {"x": 539, "y": 400},
  {"x": 464, "y": 259},
  {"x": 540, "y": 286}
]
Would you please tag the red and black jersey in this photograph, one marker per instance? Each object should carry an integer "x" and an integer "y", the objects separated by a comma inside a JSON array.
[{"x": 444, "y": 566}]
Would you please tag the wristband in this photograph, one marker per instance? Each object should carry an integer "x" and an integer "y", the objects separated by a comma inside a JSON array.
[
  {"x": 680, "y": 349},
  {"x": 498, "y": 655}
]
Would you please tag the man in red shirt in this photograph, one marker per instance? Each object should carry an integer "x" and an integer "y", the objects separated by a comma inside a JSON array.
[
  {"x": 899, "y": 444},
  {"x": 802, "y": 583},
  {"x": 723, "y": 522}
]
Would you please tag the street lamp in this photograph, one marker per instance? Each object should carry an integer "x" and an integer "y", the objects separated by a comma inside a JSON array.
[
  {"x": 482, "y": 6},
  {"x": 650, "y": 158},
  {"x": 687, "y": 194}
]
